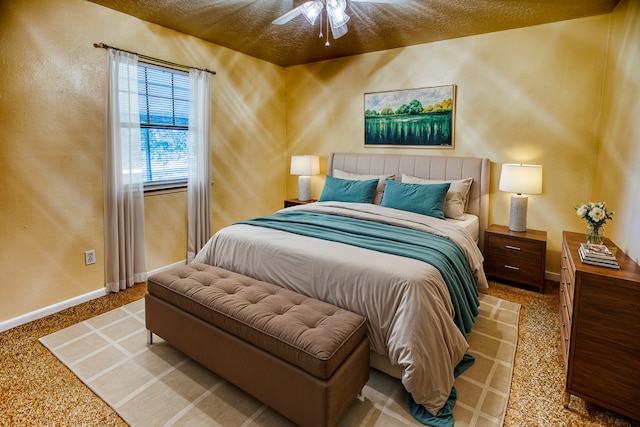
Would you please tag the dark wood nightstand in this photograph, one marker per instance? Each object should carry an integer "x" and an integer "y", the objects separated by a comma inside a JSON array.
[
  {"x": 515, "y": 256},
  {"x": 295, "y": 202}
]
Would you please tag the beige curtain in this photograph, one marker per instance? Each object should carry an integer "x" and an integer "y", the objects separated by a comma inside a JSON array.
[
  {"x": 123, "y": 181},
  {"x": 199, "y": 176}
]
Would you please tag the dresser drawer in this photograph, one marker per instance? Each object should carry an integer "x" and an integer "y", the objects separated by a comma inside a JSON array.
[
  {"x": 567, "y": 277},
  {"x": 566, "y": 303},
  {"x": 565, "y": 335}
]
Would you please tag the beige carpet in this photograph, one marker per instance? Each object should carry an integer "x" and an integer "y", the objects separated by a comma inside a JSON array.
[{"x": 158, "y": 385}]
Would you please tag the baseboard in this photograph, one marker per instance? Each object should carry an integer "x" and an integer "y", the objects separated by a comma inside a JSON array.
[
  {"x": 62, "y": 305},
  {"x": 554, "y": 277},
  {"x": 46, "y": 311}
]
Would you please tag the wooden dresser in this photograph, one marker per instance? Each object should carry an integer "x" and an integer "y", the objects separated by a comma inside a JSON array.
[{"x": 600, "y": 329}]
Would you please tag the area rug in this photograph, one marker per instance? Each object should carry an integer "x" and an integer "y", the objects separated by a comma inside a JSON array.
[{"x": 155, "y": 385}]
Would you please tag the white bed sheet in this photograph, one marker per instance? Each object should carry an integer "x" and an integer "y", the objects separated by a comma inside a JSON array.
[{"x": 470, "y": 223}]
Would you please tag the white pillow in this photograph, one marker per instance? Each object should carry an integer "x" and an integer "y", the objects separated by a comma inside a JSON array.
[
  {"x": 457, "y": 199},
  {"x": 337, "y": 173}
]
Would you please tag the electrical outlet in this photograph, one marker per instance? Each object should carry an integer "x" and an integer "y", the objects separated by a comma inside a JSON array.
[{"x": 89, "y": 257}]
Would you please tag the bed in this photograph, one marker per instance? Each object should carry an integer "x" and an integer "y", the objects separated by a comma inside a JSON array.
[{"x": 415, "y": 327}]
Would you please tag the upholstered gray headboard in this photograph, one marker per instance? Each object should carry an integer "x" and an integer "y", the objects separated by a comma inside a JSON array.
[{"x": 430, "y": 167}]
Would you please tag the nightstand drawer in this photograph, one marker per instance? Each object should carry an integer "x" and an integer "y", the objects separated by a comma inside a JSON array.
[
  {"x": 517, "y": 248},
  {"x": 514, "y": 269}
]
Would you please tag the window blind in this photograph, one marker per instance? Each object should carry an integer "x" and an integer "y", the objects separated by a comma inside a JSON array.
[{"x": 164, "y": 124}]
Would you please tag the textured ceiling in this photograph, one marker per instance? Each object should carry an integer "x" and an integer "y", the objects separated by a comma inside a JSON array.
[{"x": 245, "y": 26}]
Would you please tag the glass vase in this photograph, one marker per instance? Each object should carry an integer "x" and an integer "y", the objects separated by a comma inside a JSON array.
[{"x": 595, "y": 234}]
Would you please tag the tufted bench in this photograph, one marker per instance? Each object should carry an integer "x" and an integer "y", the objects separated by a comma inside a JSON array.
[{"x": 305, "y": 358}]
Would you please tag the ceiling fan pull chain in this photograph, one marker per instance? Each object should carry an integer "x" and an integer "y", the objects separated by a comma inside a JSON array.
[{"x": 327, "y": 12}]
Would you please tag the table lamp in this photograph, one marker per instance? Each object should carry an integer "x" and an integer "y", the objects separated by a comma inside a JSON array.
[
  {"x": 304, "y": 167},
  {"x": 520, "y": 179}
]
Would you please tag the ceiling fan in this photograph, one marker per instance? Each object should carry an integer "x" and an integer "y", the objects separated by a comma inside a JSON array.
[{"x": 336, "y": 17}]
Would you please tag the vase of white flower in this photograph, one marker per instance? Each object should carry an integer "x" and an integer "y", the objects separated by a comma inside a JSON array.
[
  {"x": 595, "y": 234},
  {"x": 596, "y": 214}
]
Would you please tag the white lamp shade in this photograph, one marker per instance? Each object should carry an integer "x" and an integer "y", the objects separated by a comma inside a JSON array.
[
  {"x": 305, "y": 165},
  {"x": 521, "y": 179}
]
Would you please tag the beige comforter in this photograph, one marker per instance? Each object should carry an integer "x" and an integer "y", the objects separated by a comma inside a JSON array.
[{"x": 406, "y": 302}]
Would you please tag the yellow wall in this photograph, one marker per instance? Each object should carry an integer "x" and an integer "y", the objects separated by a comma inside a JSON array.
[
  {"x": 564, "y": 95},
  {"x": 52, "y": 94},
  {"x": 617, "y": 177},
  {"x": 530, "y": 95}
]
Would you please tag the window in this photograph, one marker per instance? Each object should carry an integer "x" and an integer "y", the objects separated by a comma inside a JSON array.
[{"x": 164, "y": 125}]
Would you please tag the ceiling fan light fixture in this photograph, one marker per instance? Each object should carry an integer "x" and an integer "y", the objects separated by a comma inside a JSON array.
[
  {"x": 336, "y": 5},
  {"x": 339, "y": 30},
  {"x": 336, "y": 15},
  {"x": 311, "y": 10},
  {"x": 338, "y": 18}
]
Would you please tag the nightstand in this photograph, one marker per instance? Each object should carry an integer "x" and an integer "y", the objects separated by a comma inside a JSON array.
[
  {"x": 515, "y": 256},
  {"x": 295, "y": 202}
]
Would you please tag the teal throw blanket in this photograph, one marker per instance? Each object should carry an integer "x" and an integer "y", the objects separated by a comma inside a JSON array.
[{"x": 438, "y": 251}]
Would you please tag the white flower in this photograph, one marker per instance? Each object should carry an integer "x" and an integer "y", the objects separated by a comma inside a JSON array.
[{"x": 597, "y": 214}]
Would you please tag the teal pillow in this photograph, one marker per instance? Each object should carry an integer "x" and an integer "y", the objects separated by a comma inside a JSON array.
[
  {"x": 425, "y": 199},
  {"x": 347, "y": 190}
]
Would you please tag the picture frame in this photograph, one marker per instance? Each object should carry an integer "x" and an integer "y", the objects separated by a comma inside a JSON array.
[{"x": 410, "y": 118}]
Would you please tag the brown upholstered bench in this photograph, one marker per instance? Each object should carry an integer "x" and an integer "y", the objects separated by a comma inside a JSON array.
[{"x": 305, "y": 358}]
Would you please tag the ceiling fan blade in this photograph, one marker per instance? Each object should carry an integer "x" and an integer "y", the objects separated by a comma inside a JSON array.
[{"x": 290, "y": 15}]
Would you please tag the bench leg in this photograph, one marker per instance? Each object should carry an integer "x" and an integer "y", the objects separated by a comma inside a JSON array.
[{"x": 149, "y": 337}]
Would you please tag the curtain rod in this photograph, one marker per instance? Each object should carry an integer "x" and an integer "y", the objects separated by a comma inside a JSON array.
[{"x": 149, "y": 58}]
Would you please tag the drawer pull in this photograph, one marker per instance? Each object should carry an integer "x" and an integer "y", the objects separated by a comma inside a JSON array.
[
  {"x": 511, "y": 267},
  {"x": 513, "y": 248}
]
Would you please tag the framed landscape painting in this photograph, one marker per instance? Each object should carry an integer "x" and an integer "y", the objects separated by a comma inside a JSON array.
[{"x": 410, "y": 118}]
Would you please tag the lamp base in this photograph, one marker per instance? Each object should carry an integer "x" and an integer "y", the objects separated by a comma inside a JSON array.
[
  {"x": 518, "y": 213},
  {"x": 304, "y": 188}
]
